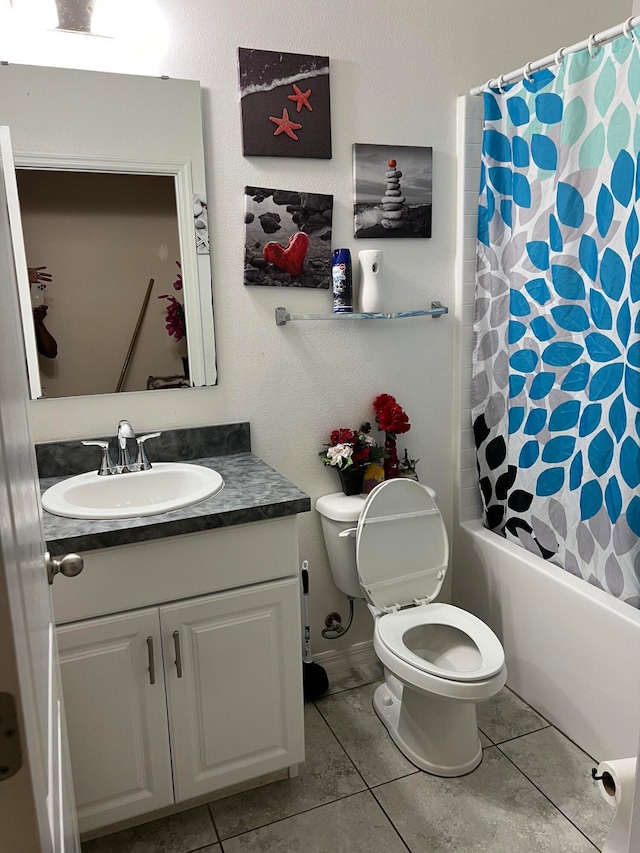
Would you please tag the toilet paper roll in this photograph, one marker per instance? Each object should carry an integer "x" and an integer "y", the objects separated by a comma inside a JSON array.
[{"x": 617, "y": 786}]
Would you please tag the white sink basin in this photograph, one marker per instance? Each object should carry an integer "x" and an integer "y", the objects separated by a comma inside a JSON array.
[{"x": 166, "y": 486}]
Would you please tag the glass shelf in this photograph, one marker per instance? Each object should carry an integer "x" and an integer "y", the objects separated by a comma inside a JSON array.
[{"x": 437, "y": 310}]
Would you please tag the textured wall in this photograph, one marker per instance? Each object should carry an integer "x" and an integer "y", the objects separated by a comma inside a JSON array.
[{"x": 395, "y": 71}]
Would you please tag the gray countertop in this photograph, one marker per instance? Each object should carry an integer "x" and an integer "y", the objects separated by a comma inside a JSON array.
[{"x": 252, "y": 491}]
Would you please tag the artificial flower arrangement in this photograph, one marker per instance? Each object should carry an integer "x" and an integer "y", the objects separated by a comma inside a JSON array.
[
  {"x": 349, "y": 448},
  {"x": 357, "y": 456},
  {"x": 174, "y": 320}
]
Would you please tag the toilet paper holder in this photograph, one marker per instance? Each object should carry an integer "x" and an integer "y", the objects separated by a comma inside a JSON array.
[{"x": 608, "y": 782}]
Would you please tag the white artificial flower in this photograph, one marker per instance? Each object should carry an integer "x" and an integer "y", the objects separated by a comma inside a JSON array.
[{"x": 339, "y": 453}]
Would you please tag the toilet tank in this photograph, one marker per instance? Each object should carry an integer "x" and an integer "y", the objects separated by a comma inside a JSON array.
[{"x": 340, "y": 512}]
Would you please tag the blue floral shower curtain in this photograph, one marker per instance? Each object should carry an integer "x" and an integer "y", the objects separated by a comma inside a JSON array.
[{"x": 556, "y": 388}]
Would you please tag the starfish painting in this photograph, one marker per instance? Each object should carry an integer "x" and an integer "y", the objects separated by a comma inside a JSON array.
[
  {"x": 285, "y": 125},
  {"x": 301, "y": 98},
  {"x": 271, "y": 80}
]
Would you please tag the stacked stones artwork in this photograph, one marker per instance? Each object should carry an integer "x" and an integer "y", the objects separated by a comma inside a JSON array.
[
  {"x": 392, "y": 190},
  {"x": 393, "y": 200},
  {"x": 288, "y": 238}
]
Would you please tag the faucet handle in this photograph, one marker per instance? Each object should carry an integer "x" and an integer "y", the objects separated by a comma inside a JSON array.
[
  {"x": 142, "y": 461},
  {"x": 106, "y": 465}
]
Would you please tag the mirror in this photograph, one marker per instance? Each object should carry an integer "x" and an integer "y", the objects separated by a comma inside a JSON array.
[{"x": 111, "y": 187}]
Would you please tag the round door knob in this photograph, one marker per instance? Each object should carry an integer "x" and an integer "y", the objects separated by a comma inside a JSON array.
[{"x": 70, "y": 565}]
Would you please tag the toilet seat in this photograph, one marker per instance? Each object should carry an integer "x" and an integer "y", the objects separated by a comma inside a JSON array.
[{"x": 472, "y": 653}]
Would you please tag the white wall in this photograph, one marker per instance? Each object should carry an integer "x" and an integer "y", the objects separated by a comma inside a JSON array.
[{"x": 396, "y": 69}]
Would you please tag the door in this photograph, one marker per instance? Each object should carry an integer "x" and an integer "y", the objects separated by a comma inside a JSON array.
[
  {"x": 234, "y": 683},
  {"x": 36, "y": 801},
  {"x": 114, "y": 685}
]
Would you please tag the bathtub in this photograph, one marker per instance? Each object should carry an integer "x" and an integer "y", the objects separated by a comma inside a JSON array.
[{"x": 572, "y": 650}]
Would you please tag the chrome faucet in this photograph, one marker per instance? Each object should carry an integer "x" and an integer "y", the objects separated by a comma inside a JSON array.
[
  {"x": 125, "y": 431},
  {"x": 124, "y": 465}
]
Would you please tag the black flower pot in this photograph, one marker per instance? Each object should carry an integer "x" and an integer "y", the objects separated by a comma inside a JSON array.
[{"x": 351, "y": 479}]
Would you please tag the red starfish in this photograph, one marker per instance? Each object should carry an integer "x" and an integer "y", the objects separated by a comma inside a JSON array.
[
  {"x": 301, "y": 98},
  {"x": 285, "y": 125}
]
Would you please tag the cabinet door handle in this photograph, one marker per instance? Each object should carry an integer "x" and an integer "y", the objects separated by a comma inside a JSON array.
[
  {"x": 176, "y": 642},
  {"x": 152, "y": 664}
]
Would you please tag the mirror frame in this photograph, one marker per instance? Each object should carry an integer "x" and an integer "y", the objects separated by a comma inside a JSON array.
[{"x": 196, "y": 268}]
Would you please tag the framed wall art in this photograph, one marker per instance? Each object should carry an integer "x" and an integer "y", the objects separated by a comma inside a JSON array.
[
  {"x": 285, "y": 103},
  {"x": 288, "y": 238},
  {"x": 392, "y": 190}
]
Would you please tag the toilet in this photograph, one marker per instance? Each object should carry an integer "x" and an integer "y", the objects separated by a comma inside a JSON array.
[{"x": 391, "y": 548}]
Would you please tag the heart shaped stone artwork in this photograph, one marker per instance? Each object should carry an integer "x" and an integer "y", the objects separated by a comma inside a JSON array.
[{"x": 291, "y": 258}]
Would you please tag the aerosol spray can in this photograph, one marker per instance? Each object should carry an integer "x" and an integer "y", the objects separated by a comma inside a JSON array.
[{"x": 342, "y": 282}]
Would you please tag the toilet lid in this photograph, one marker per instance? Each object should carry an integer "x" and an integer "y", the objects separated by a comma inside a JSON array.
[{"x": 402, "y": 550}]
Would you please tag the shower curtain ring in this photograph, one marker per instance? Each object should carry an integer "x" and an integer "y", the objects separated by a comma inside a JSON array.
[
  {"x": 592, "y": 45},
  {"x": 500, "y": 84},
  {"x": 560, "y": 56},
  {"x": 488, "y": 85},
  {"x": 526, "y": 72},
  {"x": 627, "y": 29}
]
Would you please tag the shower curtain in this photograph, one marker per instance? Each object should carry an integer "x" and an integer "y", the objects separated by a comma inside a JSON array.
[{"x": 556, "y": 387}]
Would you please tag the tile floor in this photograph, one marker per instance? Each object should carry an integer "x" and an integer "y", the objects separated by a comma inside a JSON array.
[{"x": 356, "y": 792}]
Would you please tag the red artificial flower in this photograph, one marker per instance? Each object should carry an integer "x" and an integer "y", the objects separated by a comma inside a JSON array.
[
  {"x": 382, "y": 400},
  {"x": 342, "y": 436},
  {"x": 390, "y": 416},
  {"x": 361, "y": 457}
]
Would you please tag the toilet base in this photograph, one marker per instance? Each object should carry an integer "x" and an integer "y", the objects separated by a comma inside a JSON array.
[{"x": 438, "y": 735}]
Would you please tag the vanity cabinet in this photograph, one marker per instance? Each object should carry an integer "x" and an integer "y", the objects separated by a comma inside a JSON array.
[
  {"x": 117, "y": 719},
  {"x": 194, "y": 694}
]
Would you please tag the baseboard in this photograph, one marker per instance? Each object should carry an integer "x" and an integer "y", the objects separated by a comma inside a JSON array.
[{"x": 339, "y": 662}]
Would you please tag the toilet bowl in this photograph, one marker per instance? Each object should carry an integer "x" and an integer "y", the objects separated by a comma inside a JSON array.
[{"x": 391, "y": 548}]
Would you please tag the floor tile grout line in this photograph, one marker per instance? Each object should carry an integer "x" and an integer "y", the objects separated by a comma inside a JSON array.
[
  {"x": 343, "y": 748},
  {"x": 213, "y": 820},
  {"x": 295, "y": 814},
  {"x": 384, "y": 811},
  {"x": 524, "y": 734},
  {"x": 347, "y": 689},
  {"x": 549, "y": 800},
  {"x": 482, "y": 732},
  {"x": 413, "y": 772},
  {"x": 539, "y": 713}
]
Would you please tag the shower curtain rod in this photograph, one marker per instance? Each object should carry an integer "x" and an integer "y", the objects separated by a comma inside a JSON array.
[{"x": 556, "y": 58}]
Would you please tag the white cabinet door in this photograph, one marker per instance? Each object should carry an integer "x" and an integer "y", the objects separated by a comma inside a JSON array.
[
  {"x": 117, "y": 719},
  {"x": 235, "y": 689}
]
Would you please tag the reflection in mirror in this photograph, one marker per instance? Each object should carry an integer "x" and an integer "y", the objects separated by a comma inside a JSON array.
[
  {"x": 108, "y": 167},
  {"x": 102, "y": 238}
]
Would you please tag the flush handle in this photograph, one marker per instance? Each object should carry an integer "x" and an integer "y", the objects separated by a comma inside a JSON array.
[
  {"x": 176, "y": 642},
  {"x": 348, "y": 534},
  {"x": 70, "y": 565}
]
